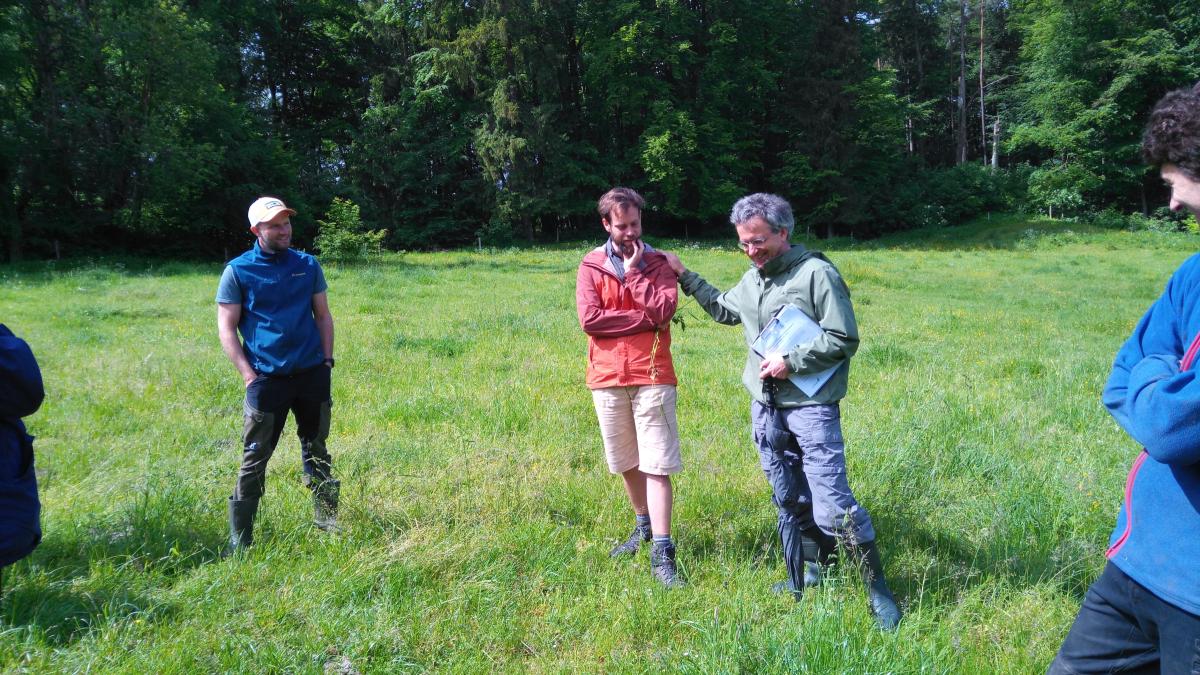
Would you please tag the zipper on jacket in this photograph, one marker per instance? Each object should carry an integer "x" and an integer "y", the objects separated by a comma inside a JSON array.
[
  {"x": 1184, "y": 364},
  {"x": 1137, "y": 464}
]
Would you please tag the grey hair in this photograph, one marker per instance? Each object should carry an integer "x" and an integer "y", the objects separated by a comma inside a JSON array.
[{"x": 771, "y": 208}]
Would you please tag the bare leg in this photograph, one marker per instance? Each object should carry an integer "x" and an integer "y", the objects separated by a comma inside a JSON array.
[
  {"x": 658, "y": 499},
  {"x": 635, "y": 487}
]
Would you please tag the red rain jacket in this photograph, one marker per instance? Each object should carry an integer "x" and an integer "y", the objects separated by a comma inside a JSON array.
[{"x": 628, "y": 324}]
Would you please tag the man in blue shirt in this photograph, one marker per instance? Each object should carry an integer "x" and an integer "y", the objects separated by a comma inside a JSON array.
[
  {"x": 275, "y": 297},
  {"x": 1143, "y": 614}
]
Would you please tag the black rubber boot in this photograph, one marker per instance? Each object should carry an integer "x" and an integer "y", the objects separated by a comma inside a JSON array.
[
  {"x": 662, "y": 564},
  {"x": 241, "y": 525},
  {"x": 640, "y": 534},
  {"x": 325, "y": 505},
  {"x": 817, "y": 549},
  {"x": 883, "y": 603}
]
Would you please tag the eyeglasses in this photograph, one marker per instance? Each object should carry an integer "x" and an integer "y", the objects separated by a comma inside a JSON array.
[{"x": 755, "y": 243}]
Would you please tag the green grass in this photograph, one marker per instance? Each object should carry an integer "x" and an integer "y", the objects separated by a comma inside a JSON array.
[{"x": 478, "y": 509}]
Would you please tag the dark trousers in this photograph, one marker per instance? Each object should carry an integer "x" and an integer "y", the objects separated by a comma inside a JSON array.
[
  {"x": 1124, "y": 628},
  {"x": 268, "y": 400}
]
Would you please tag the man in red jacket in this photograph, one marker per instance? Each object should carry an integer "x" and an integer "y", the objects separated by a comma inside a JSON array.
[{"x": 625, "y": 293}]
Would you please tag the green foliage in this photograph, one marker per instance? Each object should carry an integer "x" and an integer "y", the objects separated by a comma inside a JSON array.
[
  {"x": 1162, "y": 220},
  {"x": 1089, "y": 76},
  {"x": 1061, "y": 186},
  {"x": 953, "y": 195},
  {"x": 151, "y": 124},
  {"x": 342, "y": 237}
]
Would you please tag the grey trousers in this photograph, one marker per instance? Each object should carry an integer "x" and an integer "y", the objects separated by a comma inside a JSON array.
[{"x": 808, "y": 479}]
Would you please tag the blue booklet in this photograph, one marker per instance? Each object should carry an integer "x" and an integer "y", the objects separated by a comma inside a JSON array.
[{"x": 788, "y": 329}]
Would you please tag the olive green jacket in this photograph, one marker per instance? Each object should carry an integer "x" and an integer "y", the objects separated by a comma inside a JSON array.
[{"x": 807, "y": 280}]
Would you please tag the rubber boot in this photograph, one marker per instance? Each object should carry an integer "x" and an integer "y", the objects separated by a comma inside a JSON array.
[
  {"x": 817, "y": 548},
  {"x": 241, "y": 525},
  {"x": 325, "y": 505},
  {"x": 883, "y": 603},
  {"x": 662, "y": 564}
]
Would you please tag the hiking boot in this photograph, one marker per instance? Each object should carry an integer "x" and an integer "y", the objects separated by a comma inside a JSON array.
[
  {"x": 883, "y": 603},
  {"x": 641, "y": 533},
  {"x": 241, "y": 525},
  {"x": 662, "y": 564},
  {"x": 325, "y": 505}
]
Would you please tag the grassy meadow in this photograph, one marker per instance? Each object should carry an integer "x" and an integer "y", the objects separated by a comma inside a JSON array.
[{"x": 477, "y": 508}]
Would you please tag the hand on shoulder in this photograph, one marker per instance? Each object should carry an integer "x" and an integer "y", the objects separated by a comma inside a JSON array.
[{"x": 674, "y": 263}]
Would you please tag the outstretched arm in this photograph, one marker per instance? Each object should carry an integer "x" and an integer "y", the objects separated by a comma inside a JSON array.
[{"x": 720, "y": 306}]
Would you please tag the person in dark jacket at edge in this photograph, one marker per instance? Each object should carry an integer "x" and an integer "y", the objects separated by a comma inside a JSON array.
[
  {"x": 799, "y": 437},
  {"x": 21, "y": 394},
  {"x": 1142, "y": 615}
]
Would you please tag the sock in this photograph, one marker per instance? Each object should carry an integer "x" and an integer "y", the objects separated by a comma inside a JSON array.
[
  {"x": 643, "y": 521},
  {"x": 662, "y": 541}
]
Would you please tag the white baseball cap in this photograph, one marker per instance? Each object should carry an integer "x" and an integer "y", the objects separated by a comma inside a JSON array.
[{"x": 266, "y": 208}]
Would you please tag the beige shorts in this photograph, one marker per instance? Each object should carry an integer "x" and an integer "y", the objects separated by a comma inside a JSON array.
[{"x": 639, "y": 428}]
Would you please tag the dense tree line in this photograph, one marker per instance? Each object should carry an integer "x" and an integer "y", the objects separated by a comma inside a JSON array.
[{"x": 152, "y": 123}]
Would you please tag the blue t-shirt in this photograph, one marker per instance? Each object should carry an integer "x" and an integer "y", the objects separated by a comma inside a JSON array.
[{"x": 279, "y": 332}]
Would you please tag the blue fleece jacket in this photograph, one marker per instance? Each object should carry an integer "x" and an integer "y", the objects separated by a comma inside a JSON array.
[
  {"x": 20, "y": 394},
  {"x": 1154, "y": 394}
]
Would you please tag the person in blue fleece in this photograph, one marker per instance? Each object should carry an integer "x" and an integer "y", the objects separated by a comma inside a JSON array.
[
  {"x": 21, "y": 394},
  {"x": 1143, "y": 614}
]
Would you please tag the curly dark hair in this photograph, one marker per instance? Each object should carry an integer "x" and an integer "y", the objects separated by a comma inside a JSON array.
[{"x": 1173, "y": 134}]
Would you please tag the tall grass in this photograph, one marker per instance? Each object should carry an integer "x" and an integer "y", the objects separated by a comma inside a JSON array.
[{"x": 477, "y": 507}]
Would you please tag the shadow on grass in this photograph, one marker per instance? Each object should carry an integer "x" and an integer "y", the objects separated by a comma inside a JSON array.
[
  {"x": 108, "y": 569},
  {"x": 959, "y": 566}
]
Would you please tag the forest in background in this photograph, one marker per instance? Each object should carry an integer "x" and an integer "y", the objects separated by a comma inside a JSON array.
[{"x": 149, "y": 125}]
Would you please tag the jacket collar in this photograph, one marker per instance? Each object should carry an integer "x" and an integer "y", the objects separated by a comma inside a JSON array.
[
  {"x": 784, "y": 261},
  {"x": 263, "y": 256}
]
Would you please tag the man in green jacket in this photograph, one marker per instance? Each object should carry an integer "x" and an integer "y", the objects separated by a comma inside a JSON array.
[{"x": 799, "y": 437}]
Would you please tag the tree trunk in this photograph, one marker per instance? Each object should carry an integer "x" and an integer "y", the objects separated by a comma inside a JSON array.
[
  {"x": 982, "y": 119},
  {"x": 960, "y": 149},
  {"x": 996, "y": 142}
]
